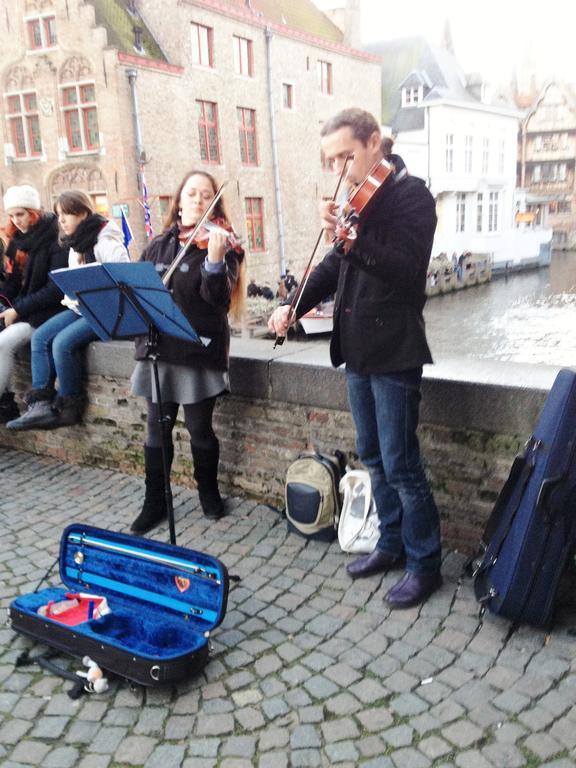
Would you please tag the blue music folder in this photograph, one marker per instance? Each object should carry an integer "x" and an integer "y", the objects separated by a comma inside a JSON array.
[{"x": 122, "y": 300}]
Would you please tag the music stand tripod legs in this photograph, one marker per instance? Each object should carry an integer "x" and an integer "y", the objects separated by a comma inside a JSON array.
[{"x": 152, "y": 354}]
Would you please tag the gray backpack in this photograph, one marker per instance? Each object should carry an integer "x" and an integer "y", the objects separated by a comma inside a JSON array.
[{"x": 312, "y": 497}]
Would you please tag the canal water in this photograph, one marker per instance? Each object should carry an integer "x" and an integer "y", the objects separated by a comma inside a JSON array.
[{"x": 525, "y": 318}]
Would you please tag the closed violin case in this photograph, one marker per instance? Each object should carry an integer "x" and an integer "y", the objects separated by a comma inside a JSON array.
[{"x": 162, "y": 603}]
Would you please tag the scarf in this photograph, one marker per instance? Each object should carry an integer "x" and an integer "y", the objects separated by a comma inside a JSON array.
[
  {"x": 38, "y": 237},
  {"x": 85, "y": 237}
]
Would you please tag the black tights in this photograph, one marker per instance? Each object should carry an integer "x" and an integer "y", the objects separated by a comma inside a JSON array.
[{"x": 197, "y": 418}]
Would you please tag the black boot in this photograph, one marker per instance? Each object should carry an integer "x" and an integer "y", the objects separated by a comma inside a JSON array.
[
  {"x": 67, "y": 412},
  {"x": 206, "y": 476},
  {"x": 154, "y": 507},
  {"x": 8, "y": 408}
]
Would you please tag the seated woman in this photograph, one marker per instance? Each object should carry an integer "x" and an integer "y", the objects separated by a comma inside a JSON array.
[
  {"x": 209, "y": 283},
  {"x": 28, "y": 296},
  {"x": 58, "y": 345}
]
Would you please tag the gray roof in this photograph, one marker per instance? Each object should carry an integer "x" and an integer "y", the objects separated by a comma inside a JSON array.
[{"x": 411, "y": 61}]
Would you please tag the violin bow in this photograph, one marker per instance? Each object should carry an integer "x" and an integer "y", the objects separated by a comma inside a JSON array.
[
  {"x": 184, "y": 247},
  {"x": 300, "y": 290}
]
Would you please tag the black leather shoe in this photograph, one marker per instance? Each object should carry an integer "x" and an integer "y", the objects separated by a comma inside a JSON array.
[
  {"x": 413, "y": 589},
  {"x": 377, "y": 562}
]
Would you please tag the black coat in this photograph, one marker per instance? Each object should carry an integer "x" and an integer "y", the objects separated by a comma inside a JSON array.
[
  {"x": 380, "y": 284},
  {"x": 204, "y": 298},
  {"x": 33, "y": 295}
]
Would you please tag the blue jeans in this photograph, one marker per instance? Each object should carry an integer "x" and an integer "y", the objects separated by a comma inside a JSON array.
[
  {"x": 385, "y": 413},
  {"x": 57, "y": 347}
]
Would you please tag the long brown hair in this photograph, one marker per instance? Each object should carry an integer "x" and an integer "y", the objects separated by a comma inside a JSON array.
[
  {"x": 74, "y": 202},
  {"x": 238, "y": 298}
]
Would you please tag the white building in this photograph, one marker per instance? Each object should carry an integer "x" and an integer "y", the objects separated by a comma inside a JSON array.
[{"x": 466, "y": 149}]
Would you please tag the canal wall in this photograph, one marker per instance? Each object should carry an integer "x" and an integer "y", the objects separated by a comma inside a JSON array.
[{"x": 475, "y": 416}]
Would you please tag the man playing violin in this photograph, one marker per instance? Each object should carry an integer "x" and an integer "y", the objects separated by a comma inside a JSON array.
[{"x": 379, "y": 279}]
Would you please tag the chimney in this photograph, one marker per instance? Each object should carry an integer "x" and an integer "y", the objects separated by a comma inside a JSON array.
[
  {"x": 138, "y": 39},
  {"x": 346, "y": 16}
]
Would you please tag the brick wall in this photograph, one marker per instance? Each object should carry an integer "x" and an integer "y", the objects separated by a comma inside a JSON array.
[{"x": 470, "y": 430}]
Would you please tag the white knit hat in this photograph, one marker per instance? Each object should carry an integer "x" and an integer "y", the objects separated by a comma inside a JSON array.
[{"x": 24, "y": 196}]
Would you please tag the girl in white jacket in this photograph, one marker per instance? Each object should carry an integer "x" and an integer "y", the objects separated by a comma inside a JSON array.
[{"x": 57, "y": 346}]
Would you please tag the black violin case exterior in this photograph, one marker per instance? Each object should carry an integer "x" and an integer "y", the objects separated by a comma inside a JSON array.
[{"x": 163, "y": 600}]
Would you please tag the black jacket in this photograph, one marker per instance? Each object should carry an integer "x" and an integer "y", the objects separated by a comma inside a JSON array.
[
  {"x": 203, "y": 297},
  {"x": 380, "y": 284},
  {"x": 33, "y": 295}
]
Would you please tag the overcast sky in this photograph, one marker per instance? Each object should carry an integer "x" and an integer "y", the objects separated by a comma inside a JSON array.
[{"x": 491, "y": 36}]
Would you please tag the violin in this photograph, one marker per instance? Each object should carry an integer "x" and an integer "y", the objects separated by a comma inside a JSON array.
[
  {"x": 358, "y": 202},
  {"x": 221, "y": 227},
  {"x": 356, "y": 205}
]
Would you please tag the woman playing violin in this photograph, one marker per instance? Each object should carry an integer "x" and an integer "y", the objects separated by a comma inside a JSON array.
[{"x": 207, "y": 285}]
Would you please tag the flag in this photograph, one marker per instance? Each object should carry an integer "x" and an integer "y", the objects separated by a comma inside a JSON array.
[
  {"x": 147, "y": 219},
  {"x": 126, "y": 231}
]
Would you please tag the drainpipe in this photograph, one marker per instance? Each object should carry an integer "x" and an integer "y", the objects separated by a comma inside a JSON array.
[
  {"x": 275, "y": 163},
  {"x": 132, "y": 75},
  {"x": 427, "y": 114}
]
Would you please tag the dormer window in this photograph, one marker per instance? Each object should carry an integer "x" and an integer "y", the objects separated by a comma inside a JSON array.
[{"x": 412, "y": 95}]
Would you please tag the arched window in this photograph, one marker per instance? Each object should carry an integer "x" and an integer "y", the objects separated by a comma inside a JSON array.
[{"x": 83, "y": 177}]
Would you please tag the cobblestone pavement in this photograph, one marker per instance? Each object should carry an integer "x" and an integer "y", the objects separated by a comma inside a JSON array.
[{"x": 309, "y": 669}]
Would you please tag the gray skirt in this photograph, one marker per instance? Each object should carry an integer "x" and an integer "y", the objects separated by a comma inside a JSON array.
[{"x": 178, "y": 383}]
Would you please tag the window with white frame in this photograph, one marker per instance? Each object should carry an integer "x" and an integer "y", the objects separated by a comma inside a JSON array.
[
  {"x": 501, "y": 155},
  {"x": 41, "y": 32},
  {"x": 449, "y": 152},
  {"x": 80, "y": 117},
  {"x": 493, "y": 200},
  {"x": 24, "y": 124},
  {"x": 411, "y": 96},
  {"x": 536, "y": 174},
  {"x": 485, "y": 155},
  {"x": 468, "y": 152},
  {"x": 479, "y": 211},
  {"x": 460, "y": 212}
]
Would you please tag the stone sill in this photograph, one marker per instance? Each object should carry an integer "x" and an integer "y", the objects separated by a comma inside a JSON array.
[{"x": 458, "y": 393}]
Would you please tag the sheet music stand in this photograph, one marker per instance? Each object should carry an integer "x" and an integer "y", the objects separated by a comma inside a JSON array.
[{"x": 122, "y": 301}]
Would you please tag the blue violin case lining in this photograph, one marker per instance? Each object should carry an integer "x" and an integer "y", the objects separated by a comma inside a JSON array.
[{"x": 164, "y": 602}]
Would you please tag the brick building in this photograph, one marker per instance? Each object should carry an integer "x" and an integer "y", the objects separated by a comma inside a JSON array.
[
  {"x": 96, "y": 92},
  {"x": 547, "y": 159}
]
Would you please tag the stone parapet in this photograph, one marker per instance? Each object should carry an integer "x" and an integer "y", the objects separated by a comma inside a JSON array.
[{"x": 476, "y": 415}]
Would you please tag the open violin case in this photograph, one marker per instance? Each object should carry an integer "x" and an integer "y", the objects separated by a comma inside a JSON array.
[{"x": 161, "y": 604}]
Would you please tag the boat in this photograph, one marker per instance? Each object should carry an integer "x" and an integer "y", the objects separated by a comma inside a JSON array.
[{"x": 318, "y": 320}]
